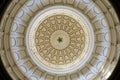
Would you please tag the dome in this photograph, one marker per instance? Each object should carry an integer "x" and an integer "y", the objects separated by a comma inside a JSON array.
[{"x": 60, "y": 39}]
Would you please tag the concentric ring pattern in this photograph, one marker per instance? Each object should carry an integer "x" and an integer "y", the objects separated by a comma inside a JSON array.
[{"x": 60, "y": 39}]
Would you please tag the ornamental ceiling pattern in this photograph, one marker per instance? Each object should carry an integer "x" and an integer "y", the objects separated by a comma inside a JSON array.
[{"x": 60, "y": 39}]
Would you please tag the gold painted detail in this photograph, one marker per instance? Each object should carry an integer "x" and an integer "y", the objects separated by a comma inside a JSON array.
[{"x": 60, "y": 39}]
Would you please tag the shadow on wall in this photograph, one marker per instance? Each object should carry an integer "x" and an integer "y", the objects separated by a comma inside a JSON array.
[
  {"x": 3, "y": 73},
  {"x": 116, "y": 74}
]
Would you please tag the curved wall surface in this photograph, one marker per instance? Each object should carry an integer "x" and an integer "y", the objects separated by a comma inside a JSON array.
[{"x": 59, "y": 39}]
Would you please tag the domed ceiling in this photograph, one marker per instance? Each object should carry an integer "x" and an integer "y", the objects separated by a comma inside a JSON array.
[{"x": 60, "y": 39}]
